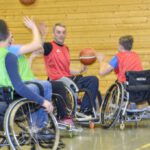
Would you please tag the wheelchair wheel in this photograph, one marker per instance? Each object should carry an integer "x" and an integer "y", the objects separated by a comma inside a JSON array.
[
  {"x": 111, "y": 106},
  {"x": 69, "y": 104},
  {"x": 22, "y": 135},
  {"x": 76, "y": 100},
  {"x": 72, "y": 104}
]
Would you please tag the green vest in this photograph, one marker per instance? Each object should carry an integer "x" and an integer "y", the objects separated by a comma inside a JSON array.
[
  {"x": 24, "y": 69},
  {"x": 4, "y": 78}
]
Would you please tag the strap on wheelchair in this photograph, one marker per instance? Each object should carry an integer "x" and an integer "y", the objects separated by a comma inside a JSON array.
[
  {"x": 38, "y": 85},
  {"x": 6, "y": 94}
]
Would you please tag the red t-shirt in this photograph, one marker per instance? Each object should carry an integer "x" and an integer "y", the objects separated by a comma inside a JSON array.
[
  {"x": 127, "y": 61},
  {"x": 58, "y": 62}
]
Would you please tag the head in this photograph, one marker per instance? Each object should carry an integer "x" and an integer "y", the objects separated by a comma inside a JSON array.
[
  {"x": 4, "y": 32},
  {"x": 126, "y": 43},
  {"x": 59, "y": 33}
]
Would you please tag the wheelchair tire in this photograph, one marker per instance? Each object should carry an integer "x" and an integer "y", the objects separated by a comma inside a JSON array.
[
  {"x": 19, "y": 132},
  {"x": 111, "y": 106}
]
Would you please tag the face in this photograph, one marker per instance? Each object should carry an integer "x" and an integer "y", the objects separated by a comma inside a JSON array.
[
  {"x": 10, "y": 39},
  {"x": 120, "y": 48},
  {"x": 59, "y": 34}
]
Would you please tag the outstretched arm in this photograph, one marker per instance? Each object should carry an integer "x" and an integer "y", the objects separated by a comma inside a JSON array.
[
  {"x": 105, "y": 68},
  {"x": 76, "y": 72},
  {"x": 36, "y": 42},
  {"x": 43, "y": 30}
]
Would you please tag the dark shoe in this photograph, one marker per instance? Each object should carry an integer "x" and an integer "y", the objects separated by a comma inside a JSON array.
[
  {"x": 87, "y": 112},
  {"x": 44, "y": 135}
]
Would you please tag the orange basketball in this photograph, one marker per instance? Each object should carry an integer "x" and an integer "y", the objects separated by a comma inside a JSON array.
[
  {"x": 27, "y": 2},
  {"x": 87, "y": 56}
]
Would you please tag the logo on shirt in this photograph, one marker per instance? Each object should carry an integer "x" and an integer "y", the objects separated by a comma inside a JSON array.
[{"x": 58, "y": 51}]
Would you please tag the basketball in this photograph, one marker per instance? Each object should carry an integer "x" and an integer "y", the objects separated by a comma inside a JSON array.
[
  {"x": 27, "y": 2},
  {"x": 87, "y": 56}
]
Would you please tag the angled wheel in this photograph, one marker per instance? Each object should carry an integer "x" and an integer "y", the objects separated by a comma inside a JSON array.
[
  {"x": 111, "y": 106},
  {"x": 22, "y": 134}
]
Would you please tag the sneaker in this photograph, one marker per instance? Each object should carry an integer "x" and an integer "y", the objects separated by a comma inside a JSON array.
[
  {"x": 44, "y": 135},
  {"x": 131, "y": 107},
  {"x": 67, "y": 121},
  {"x": 87, "y": 112}
]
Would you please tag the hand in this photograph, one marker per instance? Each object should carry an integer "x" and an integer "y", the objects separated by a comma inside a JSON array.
[
  {"x": 29, "y": 23},
  {"x": 36, "y": 53},
  {"x": 100, "y": 57},
  {"x": 43, "y": 29},
  {"x": 48, "y": 106},
  {"x": 84, "y": 69}
]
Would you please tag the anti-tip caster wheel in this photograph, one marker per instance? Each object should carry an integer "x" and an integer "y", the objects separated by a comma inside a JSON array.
[{"x": 122, "y": 126}]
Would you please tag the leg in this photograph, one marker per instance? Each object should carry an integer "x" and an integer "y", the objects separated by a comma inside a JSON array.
[
  {"x": 90, "y": 83},
  {"x": 3, "y": 107},
  {"x": 47, "y": 87},
  {"x": 40, "y": 117},
  {"x": 59, "y": 88}
]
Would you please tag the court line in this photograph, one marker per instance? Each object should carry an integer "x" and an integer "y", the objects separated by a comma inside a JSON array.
[{"x": 143, "y": 146}]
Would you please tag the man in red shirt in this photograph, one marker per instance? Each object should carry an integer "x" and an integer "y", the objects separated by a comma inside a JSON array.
[{"x": 57, "y": 62}]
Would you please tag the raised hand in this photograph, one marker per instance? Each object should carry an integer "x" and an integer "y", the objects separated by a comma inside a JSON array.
[
  {"x": 43, "y": 29},
  {"x": 29, "y": 23}
]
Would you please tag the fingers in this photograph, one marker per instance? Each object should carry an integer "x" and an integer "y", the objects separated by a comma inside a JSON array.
[
  {"x": 43, "y": 28},
  {"x": 84, "y": 68},
  {"x": 28, "y": 22},
  {"x": 49, "y": 108}
]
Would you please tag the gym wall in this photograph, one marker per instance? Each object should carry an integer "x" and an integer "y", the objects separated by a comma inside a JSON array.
[{"x": 91, "y": 23}]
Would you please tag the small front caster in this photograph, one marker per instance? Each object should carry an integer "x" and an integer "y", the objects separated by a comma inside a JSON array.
[{"x": 122, "y": 126}]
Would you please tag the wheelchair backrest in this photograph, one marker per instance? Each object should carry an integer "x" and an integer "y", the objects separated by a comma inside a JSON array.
[{"x": 138, "y": 77}]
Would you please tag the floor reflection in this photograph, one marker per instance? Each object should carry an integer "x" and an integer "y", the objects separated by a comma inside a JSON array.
[{"x": 131, "y": 138}]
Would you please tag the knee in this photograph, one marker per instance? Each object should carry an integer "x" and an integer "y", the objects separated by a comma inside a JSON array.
[
  {"x": 33, "y": 88},
  {"x": 47, "y": 85},
  {"x": 94, "y": 80}
]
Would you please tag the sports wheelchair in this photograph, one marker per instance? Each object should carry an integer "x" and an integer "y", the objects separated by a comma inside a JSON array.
[
  {"x": 75, "y": 96},
  {"x": 119, "y": 104},
  {"x": 17, "y": 131}
]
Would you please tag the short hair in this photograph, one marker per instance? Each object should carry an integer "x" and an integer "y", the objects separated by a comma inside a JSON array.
[
  {"x": 58, "y": 24},
  {"x": 126, "y": 41},
  {"x": 4, "y": 32}
]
